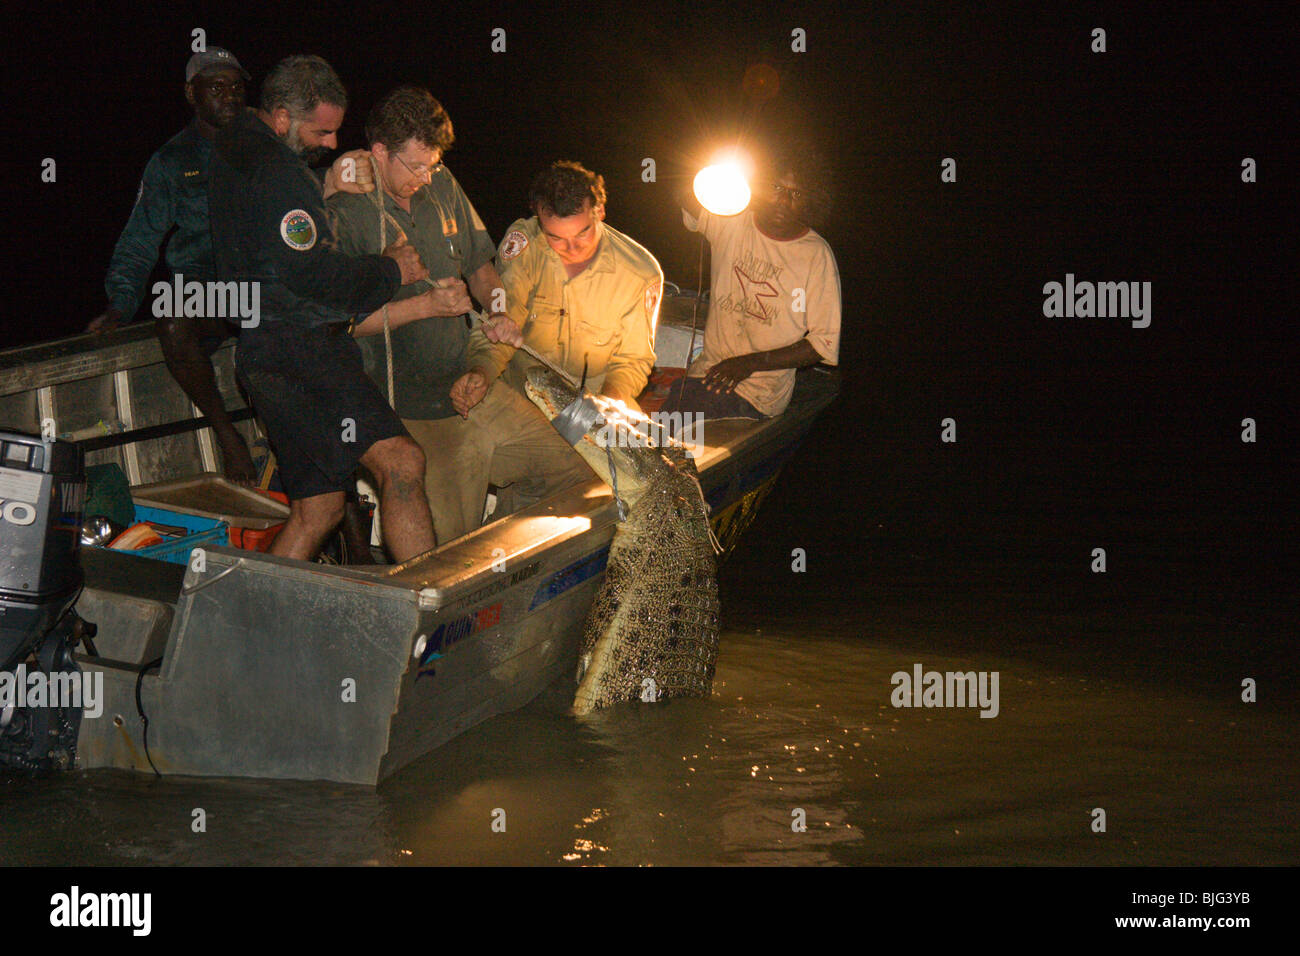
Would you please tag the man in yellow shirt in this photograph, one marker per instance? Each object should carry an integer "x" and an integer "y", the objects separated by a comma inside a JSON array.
[{"x": 579, "y": 289}]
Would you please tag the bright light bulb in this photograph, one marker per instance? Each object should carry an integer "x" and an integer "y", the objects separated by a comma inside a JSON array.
[{"x": 721, "y": 188}]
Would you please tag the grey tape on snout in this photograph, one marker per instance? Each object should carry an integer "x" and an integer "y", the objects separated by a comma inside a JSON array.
[{"x": 576, "y": 419}]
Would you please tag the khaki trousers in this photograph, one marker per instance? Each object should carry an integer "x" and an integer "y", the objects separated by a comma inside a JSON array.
[{"x": 506, "y": 441}]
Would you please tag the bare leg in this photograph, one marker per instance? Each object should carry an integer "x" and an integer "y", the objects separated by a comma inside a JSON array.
[
  {"x": 179, "y": 338},
  {"x": 310, "y": 522},
  {"x": 398, "y": 467}
]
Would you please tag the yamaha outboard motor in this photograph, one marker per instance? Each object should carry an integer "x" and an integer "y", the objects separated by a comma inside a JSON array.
[{"x": 42, "y": 496}]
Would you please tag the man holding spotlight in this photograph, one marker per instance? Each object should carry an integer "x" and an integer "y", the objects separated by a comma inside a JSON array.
[{"x": 775, "y": 288}]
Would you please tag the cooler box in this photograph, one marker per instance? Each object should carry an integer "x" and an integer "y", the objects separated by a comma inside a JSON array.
[{"x": 252, "y": 518}]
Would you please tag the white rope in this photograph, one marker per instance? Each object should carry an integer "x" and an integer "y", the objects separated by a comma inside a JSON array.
[
  {"x": 613, "y": 484},
  {"x": 388, "y": 360},
  {"x": 384, "y": 216},
  {"x": 713, "y": 538}
]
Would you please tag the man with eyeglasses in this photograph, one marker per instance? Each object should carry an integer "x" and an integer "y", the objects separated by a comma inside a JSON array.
[
  {"x": 174, "y": 195},
  {"x": 774, "y": 293},
  {"x": 586, "y": 295},
  {"x": 504, "y": 438}
]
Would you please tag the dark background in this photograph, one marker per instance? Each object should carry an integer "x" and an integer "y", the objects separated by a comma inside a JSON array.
[{"x": 1072, "y": 433}]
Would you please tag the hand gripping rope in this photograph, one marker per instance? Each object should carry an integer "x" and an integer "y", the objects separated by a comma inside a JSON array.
[{"x": 477, "y": 317}]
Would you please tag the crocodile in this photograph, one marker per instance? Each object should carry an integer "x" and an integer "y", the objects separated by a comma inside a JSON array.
[{"x": 652, "y": 631}]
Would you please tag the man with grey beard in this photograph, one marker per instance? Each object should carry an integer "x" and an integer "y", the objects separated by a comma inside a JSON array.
[{"x": 298, "y": 363}]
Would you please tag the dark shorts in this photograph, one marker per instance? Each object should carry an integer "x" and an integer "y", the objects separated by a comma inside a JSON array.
[
  {"x": 211, "y": 339},
  {"x": 209, "y": 332},
  {"x": 690, "y": 395},
  {"x": 321, "y": 411}
]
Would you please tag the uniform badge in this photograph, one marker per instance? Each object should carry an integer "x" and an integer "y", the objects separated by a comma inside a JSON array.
[
  {"x": 514, "y": 243},
  {"x": 651, "y": 299},
  {"x": 298, "y": 230}
]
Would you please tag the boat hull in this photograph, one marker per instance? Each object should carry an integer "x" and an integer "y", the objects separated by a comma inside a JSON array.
[{"x": 270, "y": 668}]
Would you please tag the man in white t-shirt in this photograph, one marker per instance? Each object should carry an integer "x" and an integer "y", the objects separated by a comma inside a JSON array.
[{"x": 775, "y": 295}]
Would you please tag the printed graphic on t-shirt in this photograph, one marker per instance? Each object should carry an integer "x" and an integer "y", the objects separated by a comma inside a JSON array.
[{"x": 758, "y": 296}]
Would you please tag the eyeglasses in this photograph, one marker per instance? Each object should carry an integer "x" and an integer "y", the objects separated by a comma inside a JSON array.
[
  {"x": 795, "y": 195},
  {"x": 419, "y": 172}
]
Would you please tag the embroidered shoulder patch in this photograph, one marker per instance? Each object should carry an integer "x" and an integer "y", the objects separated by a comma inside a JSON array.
[
  {"x": 651, "y": 299},
  {"x": 298, "y": 230},
  {"x": 514, "y": 243}
]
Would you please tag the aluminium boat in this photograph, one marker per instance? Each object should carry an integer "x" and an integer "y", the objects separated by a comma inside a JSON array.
[{"x": 235, "y": 663}]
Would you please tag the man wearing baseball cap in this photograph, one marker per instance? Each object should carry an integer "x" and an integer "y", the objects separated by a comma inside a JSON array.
[
  {"x": 213, "y": 60},
  {"x": 174, "y": 194}
]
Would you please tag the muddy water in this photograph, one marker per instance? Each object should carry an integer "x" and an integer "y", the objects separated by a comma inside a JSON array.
[{"x": 800, "y": 729}]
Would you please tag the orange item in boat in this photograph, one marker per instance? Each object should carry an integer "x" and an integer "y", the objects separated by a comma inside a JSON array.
[{"x": 141, "y": 535}]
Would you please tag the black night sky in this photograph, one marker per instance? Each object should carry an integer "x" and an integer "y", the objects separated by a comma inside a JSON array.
[{"x": 1117, "y": 166}]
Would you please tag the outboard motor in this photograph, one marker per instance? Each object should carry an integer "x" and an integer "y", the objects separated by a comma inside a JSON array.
[{"x": 42, "y": 498}]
